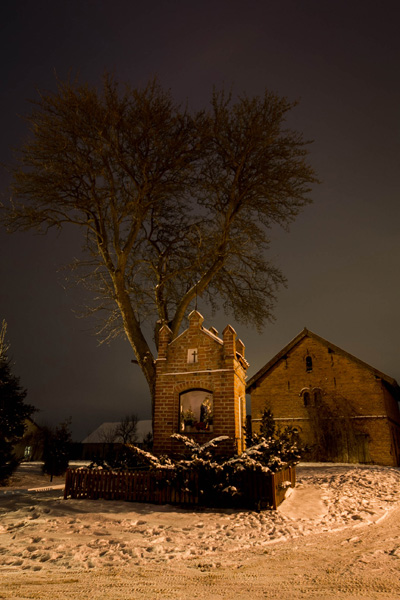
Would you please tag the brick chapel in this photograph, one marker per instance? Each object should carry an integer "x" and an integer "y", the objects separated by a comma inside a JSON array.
[{"x": 200, "y": 387}]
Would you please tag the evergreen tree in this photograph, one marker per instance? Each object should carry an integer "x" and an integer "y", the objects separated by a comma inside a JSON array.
[
  {"x": 274, "y": 446},
  {"x": 13, "y": 412},
  {"x": 267, "y": 427},
  {"x": 56, "y": 451}
]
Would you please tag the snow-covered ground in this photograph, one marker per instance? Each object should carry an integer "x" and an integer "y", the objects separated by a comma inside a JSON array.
[{"x": 337, "y": 535}]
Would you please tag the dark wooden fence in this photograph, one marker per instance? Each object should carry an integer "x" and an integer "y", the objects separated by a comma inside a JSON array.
[
  {"x": 161, "y": 486},
  {"x": 132, "y": 486}
]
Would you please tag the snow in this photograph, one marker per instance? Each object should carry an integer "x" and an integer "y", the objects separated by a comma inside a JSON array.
[
  {"x": 336, "y": 513},
  {"x": 105, "y": 432}
]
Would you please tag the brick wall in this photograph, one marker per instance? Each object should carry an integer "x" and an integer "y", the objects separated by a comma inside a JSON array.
[
  {"x": 342, "y": 381},
  {"x": 218, "y": 368}
]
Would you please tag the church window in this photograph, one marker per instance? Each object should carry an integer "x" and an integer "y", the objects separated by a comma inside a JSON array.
[
  {"x": 306, "y": 398},
  {"x": 196, "y": 411},
  {"x": 308, "y": 364},
  {"x": 317, "y": 396}
]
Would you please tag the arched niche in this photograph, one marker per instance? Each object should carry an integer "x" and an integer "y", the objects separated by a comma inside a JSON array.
[{"x": 196, "y": 411}]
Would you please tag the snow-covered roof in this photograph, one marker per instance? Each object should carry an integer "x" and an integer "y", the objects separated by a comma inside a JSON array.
[{"x": 104, "y": 433}]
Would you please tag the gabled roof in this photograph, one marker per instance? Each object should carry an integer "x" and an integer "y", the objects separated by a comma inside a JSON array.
[
  {"x": 202, "y": 329},
  {"x": 105, "y": 430},
  {"x": 392, "y": 383}
]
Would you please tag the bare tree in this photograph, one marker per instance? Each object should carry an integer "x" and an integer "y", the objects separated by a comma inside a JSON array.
[
  {"x": 171, "y": 204},
  {"x": 126, "y": 430},
  {"x": 108, "y": 435}
]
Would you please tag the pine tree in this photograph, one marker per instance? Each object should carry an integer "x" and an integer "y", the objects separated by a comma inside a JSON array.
[
  {"x": 267, "y": 427},
  {"x": 273, "y": 446},
  {"x": 56, "y": 451},
  {"x": 13, "y": 412}
]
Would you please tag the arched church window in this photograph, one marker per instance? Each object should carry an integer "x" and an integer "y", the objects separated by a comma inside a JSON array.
[
  {"x": 317, "y": 397},
  {"x": 308, "y": 364},
  {"x": 196, "y": 411},
  {"x": 306, "y": 398}
]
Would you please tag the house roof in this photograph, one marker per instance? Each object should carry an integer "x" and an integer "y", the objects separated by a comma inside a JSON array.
[
  {"x": 253, "y": 382},
  {"x": 105, "y": 430}
]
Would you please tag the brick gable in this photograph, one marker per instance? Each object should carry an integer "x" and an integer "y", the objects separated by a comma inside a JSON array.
[
  {"x": 199, "y": 361},
  {"x": 309, "y": 368}
]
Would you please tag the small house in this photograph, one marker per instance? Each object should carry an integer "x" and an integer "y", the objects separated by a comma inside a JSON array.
[{"x": 104, "y": 439}]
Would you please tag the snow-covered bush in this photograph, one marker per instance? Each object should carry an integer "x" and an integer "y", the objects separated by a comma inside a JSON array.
[
  {"x": 131, "y": 457},
  {"x": 275, "y": 448},
  {"x": 225, "y": 482},
  {"x": 218, "y": 481}
]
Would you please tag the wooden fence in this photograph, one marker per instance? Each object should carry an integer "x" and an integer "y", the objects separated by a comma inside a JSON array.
[
  {"x": 132, "y": 486},
  {"x": 280, "y": 484},
  {"x": 163, "y": 486}
]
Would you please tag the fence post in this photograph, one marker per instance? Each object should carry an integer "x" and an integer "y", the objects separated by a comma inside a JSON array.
[
  {"x": 273, "y": 490},
  {"x": 67, "y": 478}
]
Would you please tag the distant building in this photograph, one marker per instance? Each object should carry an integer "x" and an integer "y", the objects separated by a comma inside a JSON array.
[
  {"x": 99, "y": 442},
  {"x": 333, "y": 398},
  {"x": 200, "y": 387}
]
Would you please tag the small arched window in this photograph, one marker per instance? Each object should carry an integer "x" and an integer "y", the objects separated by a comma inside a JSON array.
[
  {"x": 308, "y": 364},
  {"x": 306, "y": 398},
  {"x": 317, "y": 397}
]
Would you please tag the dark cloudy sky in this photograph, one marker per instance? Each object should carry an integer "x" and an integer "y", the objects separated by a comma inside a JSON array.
[{"x": 341, "y": 257}]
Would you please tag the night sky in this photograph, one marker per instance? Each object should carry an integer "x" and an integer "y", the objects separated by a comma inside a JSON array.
[{"x": 342, "y": 255}]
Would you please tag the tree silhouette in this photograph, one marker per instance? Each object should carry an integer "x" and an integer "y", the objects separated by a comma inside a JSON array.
[
  {"x": 13, "y": 411},
  {"x": 171, "y": 204},
  {"x": 56, "y": 449}
]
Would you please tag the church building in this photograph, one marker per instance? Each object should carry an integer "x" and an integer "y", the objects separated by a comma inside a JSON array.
[{"x": 200, "y": 388}]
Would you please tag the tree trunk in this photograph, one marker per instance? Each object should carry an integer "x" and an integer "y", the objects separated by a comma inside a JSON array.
[{"x": 135, "y": 336}]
